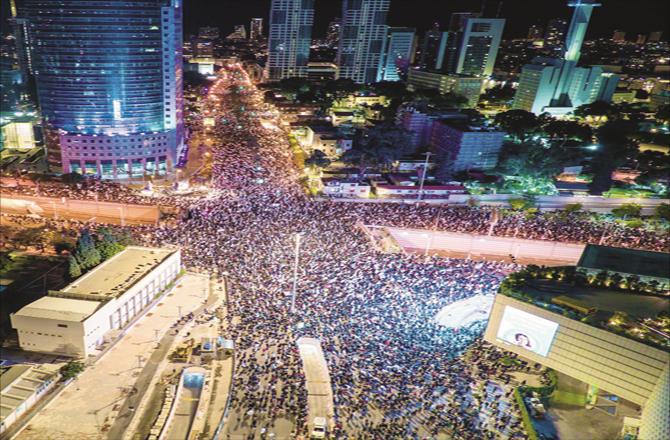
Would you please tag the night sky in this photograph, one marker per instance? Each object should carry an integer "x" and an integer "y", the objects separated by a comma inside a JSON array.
[{"x": 633, "y": 16}]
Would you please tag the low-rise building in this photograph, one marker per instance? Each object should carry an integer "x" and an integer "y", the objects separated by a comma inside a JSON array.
[
  {"x": 418, "y": 121},
  {"x": 346, "y": 188},
  {"x": 429, "y": 191},
  {"x": 321, "y": 71},
  {"x": 459, "y": 146},
  {"x": 21, "y": 386},
  {"x": 74, "y": 321},
  {"x": 470, "y": 87}
]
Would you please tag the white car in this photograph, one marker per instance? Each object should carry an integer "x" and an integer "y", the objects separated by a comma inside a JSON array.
[{"x": 319, "y": 428}]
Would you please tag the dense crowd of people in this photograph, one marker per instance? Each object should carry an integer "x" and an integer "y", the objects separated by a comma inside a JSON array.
[{"x": 395, "y": 373}]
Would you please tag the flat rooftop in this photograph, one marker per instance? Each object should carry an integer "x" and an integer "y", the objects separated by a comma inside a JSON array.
[
  {"x": 633, "y": 261},
  {"x": 18, "y": 383},
  {"x": 62, "y": 309},
  {"x": 113, "y": 277},
  {"x": 637, "y": 305}
]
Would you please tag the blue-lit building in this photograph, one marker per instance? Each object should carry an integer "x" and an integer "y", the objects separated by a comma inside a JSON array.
[
  {"x": 289, "y": 38},
  {"x": 109, "y": 81},
  {"x": 398, "y": 53},
  {"x": 559, "y": 85}
]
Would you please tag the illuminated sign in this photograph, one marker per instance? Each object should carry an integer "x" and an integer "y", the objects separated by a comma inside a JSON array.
[{"x": 527, "y": 331}]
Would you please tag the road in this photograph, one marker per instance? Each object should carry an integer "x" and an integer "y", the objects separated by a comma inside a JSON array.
[{"x": 317, "y": 381}]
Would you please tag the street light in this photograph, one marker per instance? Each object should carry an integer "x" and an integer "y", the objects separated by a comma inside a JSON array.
[
  {"x": 298, "y": 236},
  {"x": 423, "y": 175}
]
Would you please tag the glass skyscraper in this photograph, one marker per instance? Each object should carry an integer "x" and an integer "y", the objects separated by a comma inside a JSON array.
[
  {"x": 109, "y": 81},
  {"x": 289, "y": 38}
]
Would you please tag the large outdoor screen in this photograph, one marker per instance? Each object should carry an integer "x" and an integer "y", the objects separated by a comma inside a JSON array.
[{"x": 526, "y": 330}]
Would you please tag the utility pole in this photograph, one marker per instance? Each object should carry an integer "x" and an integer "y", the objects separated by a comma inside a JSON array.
[
  {"x": 423, "y": 175},
  {"x": 433, "y": 232},
  {"x": 295, "y": 271}
]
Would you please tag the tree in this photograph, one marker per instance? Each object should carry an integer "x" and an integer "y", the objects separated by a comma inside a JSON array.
[
  {"x": 5, "y": 261},
  {"x": 30, "y": 237},
  {"x": 73, "y": 269},
  {"x": 72, "y": 369},
  {"x": 567, "y": 130},
  {"x": 61, "y": 246},
  {"x": 85, "y": 252},
  {"x": 663, "y": 211},
  {"x": 597, "y": 110},
  {"x": 663, "y": 114},
  {"x": 378, "y": 146},
  {"x": 572, "y": 208},
  {"x": 518, "y": 123},
  {"x": 627, "y": 210},
  {"x": 317, "y": 159},
  {"x": 107, "y": 244},
  {"x": 499, "y": 95},
  {"x": 615, "y": 149}
]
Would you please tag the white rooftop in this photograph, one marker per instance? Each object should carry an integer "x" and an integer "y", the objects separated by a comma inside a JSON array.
[{"x": 62, "y": 309}]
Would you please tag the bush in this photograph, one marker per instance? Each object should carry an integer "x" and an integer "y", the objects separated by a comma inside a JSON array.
[
  {"x": 72, "y": 369},
  {"x": 525, "y": 416}
]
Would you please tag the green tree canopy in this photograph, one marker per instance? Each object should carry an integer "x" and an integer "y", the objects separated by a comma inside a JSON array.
[
  {"x": 378, "y": 146},
  {"x": 615, "y": 149},
  {"x": 518, "y": 123},
  {"x": 627, "y": 210},
  {"x": 317, "y": 159},
  {"x": 597, "y": 109}
]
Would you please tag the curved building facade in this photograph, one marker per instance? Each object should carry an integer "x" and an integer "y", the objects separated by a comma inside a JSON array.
[{"x": 109, "y": 80}]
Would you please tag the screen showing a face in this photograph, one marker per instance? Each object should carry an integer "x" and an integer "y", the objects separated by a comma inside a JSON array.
[{"x": 526, "y": 330}]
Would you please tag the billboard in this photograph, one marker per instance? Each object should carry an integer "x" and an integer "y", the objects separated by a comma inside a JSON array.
[{"x": 526, "y": 330}]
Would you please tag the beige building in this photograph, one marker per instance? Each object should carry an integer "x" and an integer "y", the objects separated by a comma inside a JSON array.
[
  {"x": 470, "y": 87},
  {"x": 21, "y": 386},
  {"x": 75, "y": 320},
  {"x": 574, "y": 330}
]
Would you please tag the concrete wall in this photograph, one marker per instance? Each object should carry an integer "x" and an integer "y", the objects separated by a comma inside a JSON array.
[
  {"x": 547, "y": 251},
  {"x": 46, "y": 336},
  {"x": 616, "y": 364},
  {"x": 84, "y": 209}
]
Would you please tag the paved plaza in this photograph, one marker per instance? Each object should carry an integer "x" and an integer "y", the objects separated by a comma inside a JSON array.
[{"x": 95, "y": 397}]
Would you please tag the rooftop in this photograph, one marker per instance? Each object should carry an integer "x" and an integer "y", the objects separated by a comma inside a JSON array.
[
  {"x": 18, "y": 383},
  {"x": 116, "y": 275},
  {"x": 633, "y": 261},
  {"x": 62, "y": 309}
]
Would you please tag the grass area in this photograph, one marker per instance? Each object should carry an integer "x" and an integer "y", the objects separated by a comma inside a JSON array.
[
  {"x": 525, "y": 416},
  {"x": 509, "y": 361},
  {"x": 568, "y": 397},
  {"x": 624, "y": 193}
]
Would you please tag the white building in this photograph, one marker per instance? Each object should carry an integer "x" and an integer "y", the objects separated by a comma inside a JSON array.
[
  {"x": 474, "y": 49},
  {"x": 289, "y": 38},
  {"x": 75, "y": 320},
  {"x": 21, "y": 386},
  {"x": 362, "y": 39},
  {"x": 347, "y": 188}
]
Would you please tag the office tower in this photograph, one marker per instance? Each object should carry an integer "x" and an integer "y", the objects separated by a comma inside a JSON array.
[
  {"x": 460, "y": 146},
  {"x": 290, "y": 37},
  {"x": 208, "y": 33},
  {"x": 109, "y": 82},
  {"x": 473, "y": 49},
  {"x": 641, "y": 39},
  {"x": 256, "y": 29},
  {"x": 433, "y": 48},
  {"x": 655, "y": 36},
  {"x": 399, "y": 54},
  {"x": 535, "y": 32},
  {"x": 333, "y": 33},
  {"x": 458, "y": 19},
  {"x": 557, "y": 85},
  {"x": 362, "y": 38},
  {"x": 618, "y": 36},
  {"x": 239, "y": 33},
  {"x": 555, "y": 33}
]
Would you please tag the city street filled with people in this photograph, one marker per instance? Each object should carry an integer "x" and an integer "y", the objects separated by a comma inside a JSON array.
[{"x": 395, "y": 373}]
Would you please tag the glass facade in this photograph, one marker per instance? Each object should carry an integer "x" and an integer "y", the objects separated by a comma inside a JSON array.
[{"x": 111, "y": 69}]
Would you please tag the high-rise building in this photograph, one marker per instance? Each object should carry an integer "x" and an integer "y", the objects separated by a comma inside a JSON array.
[
  {"x": 433, "y": 48},
  {"x": 535, "y": 32},
  {"x": 618, "y": 36},
  {"x": 459, "y": 146},
  {"x": 473, "y": 49},
  {"x": 239, "y": 33},
  {"x": 109, "y": 82},
  {"x": 555, "y": 32},
  {"x": 557, "y": 85},
  {"x": 362, "y": 39},
  {"x": 641, "y": 39},
  {"x": 256, "y": 29},
  {"x": 469, "y": 87},
  {"x": 655, "y": 36},
  {"x": 399, "y": 54},
  {"x": 290, "y": 37},
  {"x": 458, "y": 19},
  {"x": 208, "y": 33},
  {"x": 333, "y": 33}
]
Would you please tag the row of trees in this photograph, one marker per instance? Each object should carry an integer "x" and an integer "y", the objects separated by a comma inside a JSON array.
[{"x": 92, "y": 249}]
